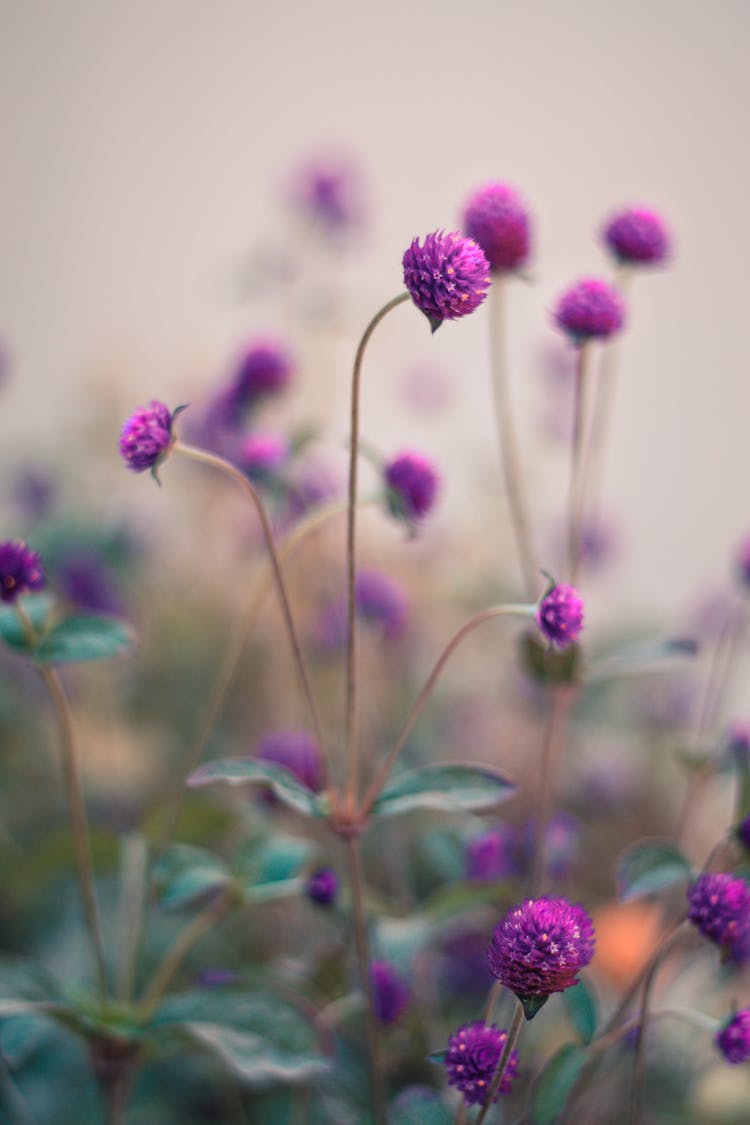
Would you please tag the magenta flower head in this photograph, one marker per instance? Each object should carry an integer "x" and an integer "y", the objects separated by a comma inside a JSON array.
[
  {"x": 262, "y": 456},
  {"x": 497, "y": 218},
  {"x": 733, "y": 1039},
  {"x": 637, "y": 237},
  {"x": 539, "y": 947},
  {"x": 295, "y": 750},
  {"x": 720, "y": 908},
  {"x": 323, "y": 886},
  {"x": 265, "y": 368},
  {"x": 447, "y": 277},
  {"x": 412, "y": 482},
  {"x": 560, "y": 615},
  {"x": 471, "y": 1060},
  {"x": 146, "y": 436},
  {"x": 590, "y": 310},
  {"x": 743, "y": 563},
  {"x": 392, "y": 993},
  {"x": 21, "y": 570}
]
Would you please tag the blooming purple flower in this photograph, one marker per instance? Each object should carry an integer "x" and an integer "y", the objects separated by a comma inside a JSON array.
[
  {"x": 323, "y": 886},
  {"x": 720, "y": 908},
  {"x": 498, "y": 220},
  {"x": 147, "y": 436},
  {"x": 492, "y": 855},
  {"x": 539, "y": 947},
  {"x": 295, "y": 750},
  {"x": 448, "y": 276},
  {"x": 733, "y": 1039},
  {"x": 560, "y": 615},
  {"x": 262, "y": 456},
  {"x": 471, "y": 1060},
  {"x": 392, "y": 993},
  {"x": 743, "y": 562},
  {"x": 591, "y": 309},
  {"x": 21, "y": 570},
  {"x": 638, "y": 237},
  {"x": 413, "y": 484}
]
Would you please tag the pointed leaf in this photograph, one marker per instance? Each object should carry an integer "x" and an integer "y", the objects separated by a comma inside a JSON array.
[
  {"x": 555, "y": 1083},
  {"x": 648, "y": 866},
  {"x": 640, "y": 657},
  {"x": 532, "y": 1004},
  {"x": 78, "y": 639},
  {"x": 185, "y": 874},
  {"x": 580, "y": 1002},
  {"x": 246, "y": 771},
  {"x": 254, "y": 1057},
  {"x": 451, "y": 788}
]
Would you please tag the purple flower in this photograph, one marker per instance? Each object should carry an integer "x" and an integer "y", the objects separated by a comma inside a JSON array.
[
  {"x": 262, "y": 456},
  {"x": 295, "y": 750},
  {"x": 733, "y": 1040},
  {"x": 382, "y": 602},
  {"x": 84, "y": 578},
  {"x": 561, "y": 844},
  {"x": 497, "y": 218},
  {"x": 720, "y": 908},
  {"x": 589, "y": 310},
  {"x": 471, "y": 1060},
  {"x": 447, "y": 277},
  {"x": 21, "y": 570},
  {"x": 637, "y": 237},
  {"x": 147, "y": 436},
  {"x": 33, "y": 493},
  {"x": 328, "y": 191},
  {"x": 539, "y": 947},
  {"x": 264, "y": 368},
  {"x": 560, "y": 615},
  {"x": 392, "y": 993},
  {"x": 413, "y": 484},
  {"x": 323, "y": 886},
  {"x": 743, "y": 563},
  {"x": 492, "y": 855}
]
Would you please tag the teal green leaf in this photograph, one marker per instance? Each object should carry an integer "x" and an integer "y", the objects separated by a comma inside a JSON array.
[
  {"x": 555, "y": 1084},
  {"x": 254, "y": 1057},
  {"x": 640, "y": 657},
  {"x": 38, "y": 608},
  {"x": 450, "y": 788},
  {"x": 239, "y": 771},
  {"x": 78, "y": 639},
  {"x": 648, "y": 866},
  {"x": 274, "y": 868},
  {"x": 419, "y": 1106},
  {"x": 580, "y": 1002},
  {"x": 186, "y": 874}
]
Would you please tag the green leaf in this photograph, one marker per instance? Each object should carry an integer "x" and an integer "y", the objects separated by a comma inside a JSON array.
[
  {"x": 240, "y": 771},
  {"x": 255, "y": 1058},
  {"x": 451, "y": 788},
  {"x": 581, "y": 1004},
  {"x": 186, "y": 874},
  {"x": 419, "y": 1106},
  {"x": 639, "y": 657},
  {"x": 20, "y": 1037},
  {"x": 273, "y": 869},
  {"x": 555, "y": 1084},
  {"x": 648, "y": 866},
  {"x": 77, "y": 639},
  {"x": 38, "y": 608}
]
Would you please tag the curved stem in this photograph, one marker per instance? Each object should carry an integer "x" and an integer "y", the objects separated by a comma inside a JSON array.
[
  {"x": 576, "y": 489},
  {"x": 506, "y": 433},
  {"x": 510, "y": 1042},
  {"x": 239, "y": 478},
  {"x": 381, "y": 774},
  {"x": 562, "y": 699},
  {"x": 352, "y": 739}
]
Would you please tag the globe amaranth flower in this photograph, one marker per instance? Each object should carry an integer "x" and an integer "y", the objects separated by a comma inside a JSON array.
[
  {"x": 719, "y": 906},
  {"x": 560, "y": 615},
  {"x": 733, "y": 1039},
  {"x": 497, "y": 219},
  {"x": 743, "y": 563},
  {"x": 322, "y": 886},
  {"x": 264, "y": 368},
  {"x": 447, "y": 277},
  {"x": 392, "y": 993},
  {"x": 637, "y": 237},
  {"x": 146, "y": 436},
  {"x": 471, "y": 1061},
  {"x": 21, "y": 570},
  {"x": 295, "y": 750},
  {"x": 262, "y": 456},
  {"x": 412, "y": 482},
  {"x": 539, "y": 947},
  {"x": 590, "y": 310}
]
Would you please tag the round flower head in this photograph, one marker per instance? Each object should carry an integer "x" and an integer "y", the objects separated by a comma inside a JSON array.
[
  {"x": 328, "y": 191},
  {"x": 637, "y": 237},
  {"x": 295, "y": 750},
  {"x": 447, "y": 277},
  {"x": 733, "y": 1040},
  {"x": 471, "y": 1060},
  {"x": 265, "y": 368},
  {"x": 412, "y": 483},
  {"x": 323, "y": 886},
  {"x": 539, "y": 947},
  {"x": 381, "y": 602},
  {"x": 496, "y": 217},
  {"x": 560, "y": 615},
  {"x": 392, "y": 993},
  {"x": 743, "y": 563},
  {"x": 262, "y": 456},
  {"x": 20, "y": 570},
  {"x": 146, "y": 436},
  {"x": 590, "y": 310},
  {"x": 720, "y": 908}
]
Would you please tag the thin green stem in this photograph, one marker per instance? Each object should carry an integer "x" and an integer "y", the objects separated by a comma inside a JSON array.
[
  {"x": 576, "y": 490},
  {"x": 554, "y": 735},
  {"x": 513, "y": 1033},
  {"x": 133, "y": 877},
  {"x": 639, "y": 1060},
  {"x": 352, "y": 733}
]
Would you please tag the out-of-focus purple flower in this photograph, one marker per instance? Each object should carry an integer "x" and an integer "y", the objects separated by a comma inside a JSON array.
[
  {"x": 264, "y": 368},
  {"x": 381, "y": 603},
  {"x": 323, "y": 886},
  {"x": 498, "y": 220},
  {"x": 21, "y": 570},
  {"x": 392, "y": 993},
  {"x": 216, "y": 978},
  {"x": 464, "y": 971},
  {"x": 262, "y": 456},
  {"x": 637, "y": 237},
  {"x": 412, "y": 482},
  {"x": 295, "y": 750},
  {"x": 448, "y": 276},
  {"x": 33, "y": 494},
  {"x": 743, "y": 562},
  {"x": 83, "y": 577},
  {"x": 539, "y": 947},
  {"x": 328, "y": 191},
  {"x": 560, "y": 616},
  {"x": 146, "y": 436},
  {"x": 590, "y": 310},
  {"x": 720, "y": 909},
  {"x": 471, "y": 1060},
  {"x": 561, "y": 844},
  {"x": 492, "y": 855},
  {"x": 733, "y": 1039}
]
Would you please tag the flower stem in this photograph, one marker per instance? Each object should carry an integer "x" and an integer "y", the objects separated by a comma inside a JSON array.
[
  {"x": 636, "y": 1092},
  {"x": 510, "y": 1042},
  {"x": 561, "y": 702},
  {"x": 506, "y": 433},
  {"x": 352, "y": 739},
  {"x": 576, "y": 490}
]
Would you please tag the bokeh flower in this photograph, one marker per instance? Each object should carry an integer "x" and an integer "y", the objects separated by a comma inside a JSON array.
[
  {"x": 327, "y": 190},
  {"x": 322, "y": 886},
  {"x": 21, "y": 570},
  {"x": 264, "y": 369},
  {"x": 733, "y": 1039},
  {"x": 637, "y": 236},
  {"x": 447, "y": 276},
  {"x": 497, "y": 219},
  {"x": 590, "y": 310},
  {"x": 295, "y": 750},
  {"x": 471, "y": 1060},
  {"x": 262, "y": 456},
  {"x": 492, "y": 855},
  {"x": 719, "y": 906},
  {"x": 560, "y": 615},
  {"x": 147, "y": 436},
  {"x": 392, "y": 993},
  {"x": 412, "y": 482}
]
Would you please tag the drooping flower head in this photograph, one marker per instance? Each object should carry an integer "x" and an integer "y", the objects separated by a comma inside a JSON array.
[
  {"x": 392, "y": 993},
  {"x": 295, "y": 750},
  {"x": 323, "y": 886},
  {"x": 497, "y": 219},
  {"x": 448, "y": 276},
  {"x": 21, "y": 570},
  {"x": 733, "y": 1039},
  {"x": 560, "y": 615},
  {"x": 146, "y": 436},
  {"x": 539, "y": 947},
  {"x": 590, "y": 310},
  {"x": 637, "y": 237},
  {"x": 743, "y": 562},
  {"x": 262, "y": 456},
  {"x": 412, "y": 482},
  {"x": 471, "y": 1060},
  {"x": 719, "y": 906}
]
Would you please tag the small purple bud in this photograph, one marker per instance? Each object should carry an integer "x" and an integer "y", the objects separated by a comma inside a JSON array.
[
  {"x": 720, "y": 909},
  {"x": 733, "y": 1040},
  {"x": 637, "y": 237},
  {"x": 590, "y": 310},
  {"x": 412, "y": 483},
  {"x": 323, "y": 886},
  {"x": 329, "y": 192},
  {"x": 392, "y": 993},
  {"x": 295, "y": 750},
  {"x": 448, "y": 276},
  {"x": 560, "y": 616},
  {"x": 262, "y": 456},
  {"x": 21, "y": 570},
  {"x": 498, "y": 220},
  {"x": 471, "y": 1060},
  {"x": 146, "y": 436}
]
